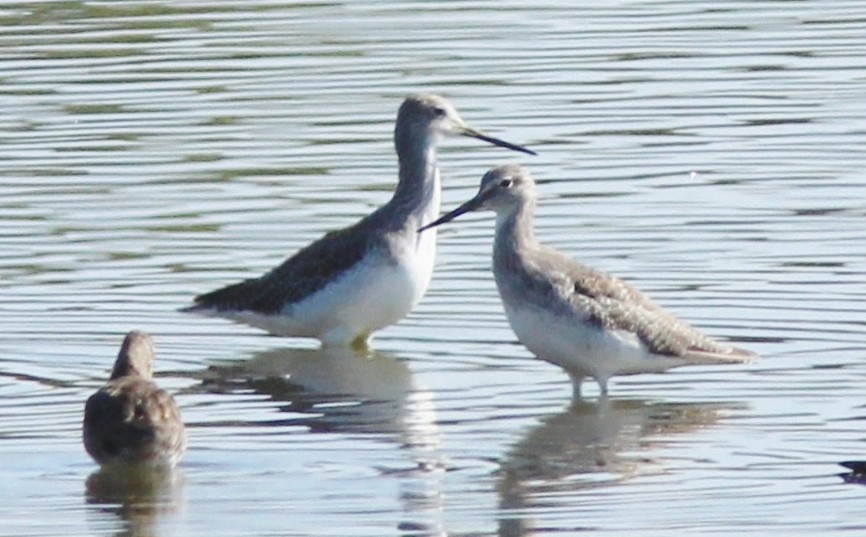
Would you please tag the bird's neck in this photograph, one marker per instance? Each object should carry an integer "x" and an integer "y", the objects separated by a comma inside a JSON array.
[
  {"x": 419, "y": 188},
  {"x": 126, "y": 366},
  {"x": 514, "y": 234}
]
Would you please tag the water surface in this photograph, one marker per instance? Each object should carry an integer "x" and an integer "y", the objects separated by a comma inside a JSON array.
[{"x": 710, "y": 153}]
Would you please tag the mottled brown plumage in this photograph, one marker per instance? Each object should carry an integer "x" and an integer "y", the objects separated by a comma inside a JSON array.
[
  {"x": 131, "y": 420},
  {"x": 607, "y": 302}
]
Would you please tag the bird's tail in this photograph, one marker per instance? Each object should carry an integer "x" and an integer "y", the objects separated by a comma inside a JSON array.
[{"x": 730, "y": 355}]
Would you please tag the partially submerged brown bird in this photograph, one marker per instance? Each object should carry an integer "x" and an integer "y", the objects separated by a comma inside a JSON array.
[{"x": 131, "y": 420}]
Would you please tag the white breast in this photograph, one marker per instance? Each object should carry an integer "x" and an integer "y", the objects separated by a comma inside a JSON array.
[{"x": 377, "y": 292}]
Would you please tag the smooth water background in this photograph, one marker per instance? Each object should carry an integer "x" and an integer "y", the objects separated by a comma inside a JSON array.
[{"x": 710, "y": 152}]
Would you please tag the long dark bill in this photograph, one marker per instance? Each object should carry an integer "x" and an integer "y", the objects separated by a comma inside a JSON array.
[
  {"x": 472, "y": 133},
  {"x": 469, "y": 206}
]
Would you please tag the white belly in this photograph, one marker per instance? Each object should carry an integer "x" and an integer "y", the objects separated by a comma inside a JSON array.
[
  {"x": 583, "y": 349},
  {"x": 375, "y": 293}
]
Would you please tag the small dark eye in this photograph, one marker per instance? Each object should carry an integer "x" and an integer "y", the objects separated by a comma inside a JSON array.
[
  {"x": 439, "y": 112},
  {"x": 506, "y": 183}
]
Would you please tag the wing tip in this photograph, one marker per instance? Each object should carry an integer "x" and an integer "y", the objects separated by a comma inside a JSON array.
[
  {"x": 193, "y": 308},
  {"x": 858, "y": 467},
  {"x": 730, "y": 355},
  {"x": 198, "y": 306}
]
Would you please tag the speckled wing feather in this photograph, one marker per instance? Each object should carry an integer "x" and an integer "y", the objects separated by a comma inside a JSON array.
[
  {"x": 301, "y": 275},
  {"x": 615, "y": 304},
  {"x": 660, "y": 331}
]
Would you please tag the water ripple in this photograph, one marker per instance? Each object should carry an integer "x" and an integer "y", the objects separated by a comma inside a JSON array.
[{"x": 710, "y": 154}]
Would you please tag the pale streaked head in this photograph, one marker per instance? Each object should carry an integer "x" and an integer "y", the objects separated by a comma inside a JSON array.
[
  {"x": 502, "y": 189},
  {"x": 427, "y": 114}
]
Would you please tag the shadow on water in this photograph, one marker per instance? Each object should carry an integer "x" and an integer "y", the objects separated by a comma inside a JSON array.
[
  {"x": 592, "y": 444},
  {"x": 349, "y": 392},
  {"x": 137, "y": 496}
]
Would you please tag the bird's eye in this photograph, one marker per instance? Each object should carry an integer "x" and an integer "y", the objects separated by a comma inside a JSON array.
[
  {"x": 506, "y": 183},
  {"x": 439, "y": 112}
]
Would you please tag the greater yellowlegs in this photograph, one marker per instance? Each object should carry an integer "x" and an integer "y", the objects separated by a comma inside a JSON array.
[
  {"x": 354, "y": 281},
  {"x": 130, "y": 420},
  {"x": 587, "y": 322}
]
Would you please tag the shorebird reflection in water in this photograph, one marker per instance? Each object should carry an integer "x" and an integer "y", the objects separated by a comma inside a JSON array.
[
  {"x": 336, "y": 389},
  {"x": 587, "y": 322},
  {"x": 591, "y": 445},
  {"x": 350, "y": 283},
  {"x": 130, "y": 420}
]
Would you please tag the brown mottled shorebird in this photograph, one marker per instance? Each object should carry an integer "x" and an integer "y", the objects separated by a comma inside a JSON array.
[
  {"x": 131, "y": 420},
  {"x": 354, "y": 281},
  {"x": 587, "y": 322}
]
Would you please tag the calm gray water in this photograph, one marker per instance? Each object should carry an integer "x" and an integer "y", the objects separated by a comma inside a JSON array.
[{"x": 712, "y": 153}]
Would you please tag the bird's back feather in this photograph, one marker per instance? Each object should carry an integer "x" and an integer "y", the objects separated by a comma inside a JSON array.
[{"x": 298, "y": 277}]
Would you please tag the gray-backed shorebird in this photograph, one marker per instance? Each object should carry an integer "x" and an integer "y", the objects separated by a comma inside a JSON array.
[
  {"x": 131, "y": 420},
  {"x": 587, "y": 322},
  {"x": 354, "y": 281}
]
